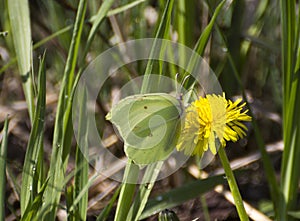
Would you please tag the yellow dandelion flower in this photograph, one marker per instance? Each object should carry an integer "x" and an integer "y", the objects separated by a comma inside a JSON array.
[{"x": 209, "y": 120}]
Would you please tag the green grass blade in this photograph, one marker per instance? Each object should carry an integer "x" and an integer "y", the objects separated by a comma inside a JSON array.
[
  {"x": 291, "y": 107},
  {"x": 145, "y": 189},
  {"x": 62, "y": 134},
  {"x": 105, "y": 212},
  {"x": 52, "y": 36},
  {"x": 297, "y": 47},
  {"x": 73, "y": 51},
  {"x": 289, "y": 85},
  {"x": 69, "y": 193},
  {"x": 6, "y": 66},
  {"x": 288, "y": 35},
  {"x": 3, "y": 153},
  {"x": 205, "y": 208},
  {"x": 98, "y": 19},
  {"x": 21, "y": 32},
  {"x": 288, "y": 57},
  {"x": 204, "y": 37},
  {"x": 180, "y": 195},
  {"x": 33, "y": 207},
  {"x": 15, "y": 184},
  {"x": 127, "y": 190},
  {"x": 81, "y": 192},
  {"x": 31, "y": 170},
  {"x": 185, "y": 21},
  {"x": 82, "y": 164},
  {"x": 66, "y": 143},
  {"x": 255, "y": 29},
  {"x": 291, "y": 174},
  {"x": 162, "y": 32},
  {"x": 165, "y": 21},
  {"x": 78, "y": 207},
  {"x": 201, "y": 44},
  {"x": 294, "y": 214},
  {"x": 291, "y": 155},
  {"x": 124, "y": 7},
  {"x": 269, "y": 169}
]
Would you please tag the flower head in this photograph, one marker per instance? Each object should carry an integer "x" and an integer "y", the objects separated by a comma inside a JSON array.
[{"x": 209, "y": 120}]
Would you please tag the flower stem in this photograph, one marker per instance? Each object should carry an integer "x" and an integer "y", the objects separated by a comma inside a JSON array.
[{"x": 233, "y": 186}]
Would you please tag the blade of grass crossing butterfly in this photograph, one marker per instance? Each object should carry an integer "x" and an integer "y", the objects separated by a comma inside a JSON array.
[{"x": 162, "y": 32}]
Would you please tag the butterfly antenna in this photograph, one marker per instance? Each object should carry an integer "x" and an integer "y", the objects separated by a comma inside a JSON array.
[
  {"x": 176, "y": 83},
  {"x": 184, "y": 80}
]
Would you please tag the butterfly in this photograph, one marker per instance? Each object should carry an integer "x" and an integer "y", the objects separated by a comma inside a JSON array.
[{"x": 149, "y": 125}]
